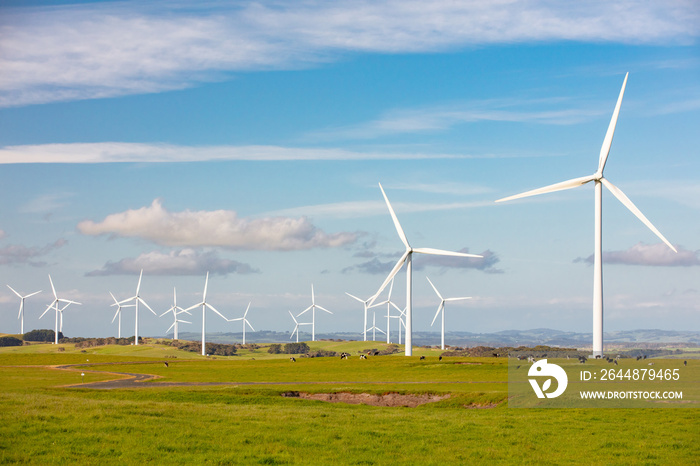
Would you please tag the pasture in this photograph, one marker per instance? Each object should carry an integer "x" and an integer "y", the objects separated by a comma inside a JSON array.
[{"x": 230, "y": 410}]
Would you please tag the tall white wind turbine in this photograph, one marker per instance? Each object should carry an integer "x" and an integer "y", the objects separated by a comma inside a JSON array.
[
  {"x": 20, "y": 316},
  {"x": 374, "y": 327},
  {"x": 297, "y": 324},
  {"x": 119, "y": 314},
  {"x": 55, "y": 305},
  {"x": 312, "y": 308},
  {"x": 441, "y": 308},
  {"x": 136, "y": 299},
  {"x": 407, "y": 259},
  {"x": 599, "y": 180},
  {"x": 205, "y": 305},
  {"x": 175, "y": 309},
  {"x": 245, "y": 322}
]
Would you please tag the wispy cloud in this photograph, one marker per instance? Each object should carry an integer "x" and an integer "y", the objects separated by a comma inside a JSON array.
[
  {"x": 114, "y": 152},
  {"x": 219, "y": 228},
  {"x": 658, "y": 255},
  {"x": 178, "y": 262},
  {"x": 18, "y": 254},
  {"x": 486, "y": 264},
  {"x": 109, "y": 49}
]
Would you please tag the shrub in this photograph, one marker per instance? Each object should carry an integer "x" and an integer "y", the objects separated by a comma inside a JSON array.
[
  {"x": 10, "y": 341},
  {"x": 296, "y": 348},
  {"x": 42, "y": 335},
  {"x": 275, "y": 348}
]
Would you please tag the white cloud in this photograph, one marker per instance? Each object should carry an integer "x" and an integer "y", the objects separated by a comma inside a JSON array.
[
  {"x": 109, "y": 49},
  {"x": 219, "y": 228},
  {"x": 179, "y": 262},
  {"x": 650, "y": 254},
  {"x": 110, "y": 152}
]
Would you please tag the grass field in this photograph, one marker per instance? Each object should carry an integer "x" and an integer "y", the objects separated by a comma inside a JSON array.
[{"x": 46, "y": 417}]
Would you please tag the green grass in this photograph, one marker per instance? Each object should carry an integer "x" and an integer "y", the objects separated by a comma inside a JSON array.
[{"x": 43, "y": 422}]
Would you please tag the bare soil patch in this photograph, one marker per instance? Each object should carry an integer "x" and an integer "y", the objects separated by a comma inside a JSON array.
[{"x": 387, "y": 399}]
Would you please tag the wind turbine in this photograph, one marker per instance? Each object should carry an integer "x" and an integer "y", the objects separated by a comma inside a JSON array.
[
  {"x": 245, "y": 322},
  {"x": 374, "y": 327},
  {"x": 137, "y": 299},
  {"x": 407, "y": 258},
  {"x": 296, "y": 326},
  {"x": 175, "y": 309},
  {"x": 54, "y": 304},
  {"x": 20, "y": 316},
  {"x": 119, "y": 313},
  {"x": 599, "y": 180},
  {"x": 205, "y": 305},
  {"x": 312, "y": 308},
  {"x": 364, "y": 304},
  {"x": 389, "y": 303},
  {"x": 441, "y": 308}
]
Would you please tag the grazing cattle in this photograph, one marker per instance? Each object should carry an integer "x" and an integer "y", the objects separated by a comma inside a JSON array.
[
  {"x": 615, "y": 362},
  {"x": 518, "y": 367},
  {"x": 644, "y": 357},
  {"x": 582, "y": 359},
  {"x": 363, "y": 356},
  {"x": 166, "y": 363},
  {"x": 650, "y": 364},
  {"x": 422, "y": 357},
  {"x": 292, "y": 359},
  {"x": 495, "y": 355},
  {"x": 376, "y": 353},
  {"x": 638, "y": 358},
  {"x": 440, "y": 358},
  {"x": 520, "y": 358},
  {"x": 685, "y": 363}
]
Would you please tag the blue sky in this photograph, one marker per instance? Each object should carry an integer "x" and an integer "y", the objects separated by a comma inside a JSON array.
[{"x": 248, "y": 140}]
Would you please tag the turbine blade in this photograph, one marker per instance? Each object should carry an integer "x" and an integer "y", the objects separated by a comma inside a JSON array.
[
  {"x": 138, "y": 287},
  {"x": 149, "y": 307},
  {"x": 236, "y": 319},
  {"x": 313, "y": 300},
  {"x": 440, "y": 308},
  {"x": 323, "y": 309},
  {"x": 171, "y": 326},
  {"x": 115, "y": 299},
  {"x": 50, "y": 306},
  {"x": 436, "y": 291},
  {"x": 305, "y": 310},
  {"x": 171, "y": 309},
  {"x": 390, "y": 277},
  {"x": 193, "y": 307},
  {"x": 52, "y": 287},
  {"x": 32, "y": 293},
  {"x": 115, "y": 315},
  {"x": 251, "y": 327},
  {"x": 573, "y": 183},
  {"x": 607, "y": 142},
  {"x": 354, "y": 297},
  {"x": 13, "y": 290},
  {"x": 246, "y": 311},
  {"x": 293, "y": 318},
  {"x": 212, "y": 308},
  {"x": 441, "y": 252},
  {"x": 206, "y": 282},
  {"x": 627, "y": 203},
  {"x": 399, "y": 230},
  {"x": 458, "y": 299},
  {"x": 21, "y": 306},
  {"x": 184, "y": 322}
]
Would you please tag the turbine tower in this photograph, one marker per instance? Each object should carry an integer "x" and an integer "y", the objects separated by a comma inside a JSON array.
[
  {"x": 119, "y": 313},
  {"x": 205, "y": 305},
  {"x": 297, "y": 324},
  {"x": 407, "y": 258},
  {"x": 245, "y": 322},
  {"x": 175, "y": 309},
  {"x": 441, "y": 308},
  {"x": 20, "y": 316},
  {"x": 599, "y": 180},
  {"x": 136, "y": 300},
  {"x": 55, "y": 305},
  {"x": 312, "y": 308}
]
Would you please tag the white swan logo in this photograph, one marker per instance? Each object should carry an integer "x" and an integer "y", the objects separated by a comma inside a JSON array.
[{"x": 543, "y": 369}]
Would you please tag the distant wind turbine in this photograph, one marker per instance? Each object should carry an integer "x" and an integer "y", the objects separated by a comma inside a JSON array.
[
  {"x": 389, "y": 303},
  {"x": 441, "y": 309},
  {"x": 364, "y": 305},
  {"x": 374, "y": 327},
  {"x": 205, "y": 305},
  {"x": 55, "y": 305},
  {"x": 599, "y": 180},
  {"x": 297, "y": 324},
  {"x": 119, "y": 313},
  {"x": 312, "y": 308},
  {"x": 407, "y": 259},
  {"x": 136, "y": 299},
  {"x": 245, "y": 322},
  {"x": 20, "y": 316},
  {"x": 175, "y": 309}
]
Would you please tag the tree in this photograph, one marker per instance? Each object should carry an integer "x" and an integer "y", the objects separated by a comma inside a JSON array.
[{"x": 10, "y": 341}]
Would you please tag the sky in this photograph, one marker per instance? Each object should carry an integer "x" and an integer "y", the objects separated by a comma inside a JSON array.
[{"x": 248, "y": 140}]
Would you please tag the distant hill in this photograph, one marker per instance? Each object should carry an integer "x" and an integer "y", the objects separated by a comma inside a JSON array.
[{"x": 540, "y": 336}]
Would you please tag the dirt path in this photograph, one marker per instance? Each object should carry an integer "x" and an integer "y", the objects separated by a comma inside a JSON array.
[{"x": 133, "y": 380}]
